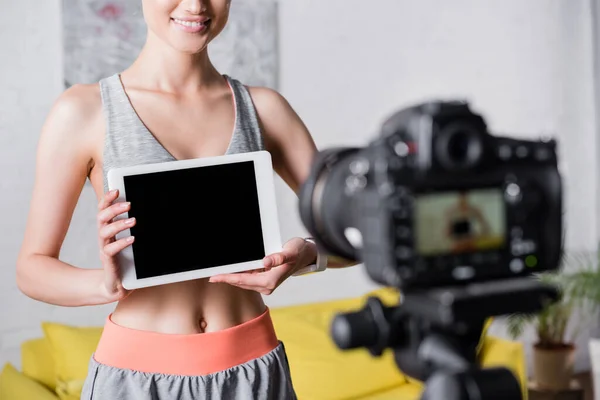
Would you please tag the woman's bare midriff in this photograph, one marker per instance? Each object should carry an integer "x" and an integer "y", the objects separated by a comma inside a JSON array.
[{"x": 188, "y": 307}]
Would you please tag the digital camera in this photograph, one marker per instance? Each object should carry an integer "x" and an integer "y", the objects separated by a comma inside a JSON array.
[{"x": 437, "y": 200}]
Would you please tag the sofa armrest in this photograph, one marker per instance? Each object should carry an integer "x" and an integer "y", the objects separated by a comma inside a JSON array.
[{"x": 497, "y": 352}]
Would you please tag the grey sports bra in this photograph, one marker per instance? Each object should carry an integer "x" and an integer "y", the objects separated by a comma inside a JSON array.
[{"x": 128, "y": 142}]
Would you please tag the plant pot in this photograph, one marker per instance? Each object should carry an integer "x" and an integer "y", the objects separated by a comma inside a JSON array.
[
  {"x": 594, "y": 347},
  {"x": 553, "y": 367}
]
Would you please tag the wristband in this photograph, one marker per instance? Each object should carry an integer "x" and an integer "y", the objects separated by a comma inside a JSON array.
[{"x": 320, "y": 265}]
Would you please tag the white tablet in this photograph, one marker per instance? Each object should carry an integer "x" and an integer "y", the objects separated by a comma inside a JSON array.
[{"x": 197, "y": 218}]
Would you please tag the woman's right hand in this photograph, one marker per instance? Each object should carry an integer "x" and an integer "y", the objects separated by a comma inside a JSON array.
[{"x": 109, "y": 246}]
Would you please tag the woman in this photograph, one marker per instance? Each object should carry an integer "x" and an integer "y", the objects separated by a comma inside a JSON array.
[{"x": 208, "y": 338}]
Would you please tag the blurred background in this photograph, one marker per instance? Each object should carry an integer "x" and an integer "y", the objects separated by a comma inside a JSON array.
[{"x": 530, "y": 67}]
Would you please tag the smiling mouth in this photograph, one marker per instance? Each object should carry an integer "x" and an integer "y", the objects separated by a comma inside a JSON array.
[{"x": 191, "y": 26}]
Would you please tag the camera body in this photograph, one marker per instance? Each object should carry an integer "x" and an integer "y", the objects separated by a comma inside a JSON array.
[{"x": 436, "y": 200}]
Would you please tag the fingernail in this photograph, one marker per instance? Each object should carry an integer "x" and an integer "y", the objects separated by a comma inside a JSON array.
[
  {"x": 125, "y": 204},
  {"x": 130, "y": 221},
  {"x": 113, "y": 191},
  {"x": 130, "y": 239}
]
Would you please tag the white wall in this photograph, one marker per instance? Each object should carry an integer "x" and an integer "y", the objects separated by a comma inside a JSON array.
[{"x": 345, "y": 65}]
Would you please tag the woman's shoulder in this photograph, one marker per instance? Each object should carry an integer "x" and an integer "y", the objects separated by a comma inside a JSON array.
[
  {"x": 79, "y": 104},
  {"x": 75, "y": 115},
  {"x": 261, "y": 94},
  {"x": 267, "y": 100},
  {"x": 279, "y": 120},
  {"x": 81, "y": 98}
]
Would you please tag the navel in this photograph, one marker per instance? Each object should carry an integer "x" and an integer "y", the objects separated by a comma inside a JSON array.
[{"x": 202, "y": 325}]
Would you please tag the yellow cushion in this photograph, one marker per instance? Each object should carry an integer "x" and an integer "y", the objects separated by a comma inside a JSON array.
[
  {"x": 70, "y": 391},
  {"x": 72, "y": 348},
  {"x": 16, "y": 386},
  {"x": 38, "y": 363}
]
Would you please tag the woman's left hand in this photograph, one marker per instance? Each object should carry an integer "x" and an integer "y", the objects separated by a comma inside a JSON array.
[{"x": 297, "y": 253}]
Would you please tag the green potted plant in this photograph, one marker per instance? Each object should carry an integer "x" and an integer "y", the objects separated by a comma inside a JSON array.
[
  {"x": 584, "y": 287},
  {"x": 554, "y": 349},
  {"x": 556, "y": 329}
]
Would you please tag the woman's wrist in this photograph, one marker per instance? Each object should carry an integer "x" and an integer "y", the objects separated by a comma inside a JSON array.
[
  {"x": 102, "y": 294},
  {"x": 316, "y": 262},
  {"x": 329, "y": 261},
  {"x": 311, "y": 247},
  {"x": 106, "y": 294}
]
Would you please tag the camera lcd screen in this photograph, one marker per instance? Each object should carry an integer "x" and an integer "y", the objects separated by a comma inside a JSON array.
[
  {"x": 195, "y": 218},
  {"x": 460, "y": 222}
]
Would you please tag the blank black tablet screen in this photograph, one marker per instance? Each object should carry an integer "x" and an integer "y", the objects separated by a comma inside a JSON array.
[{"x": 194, "y": 218}]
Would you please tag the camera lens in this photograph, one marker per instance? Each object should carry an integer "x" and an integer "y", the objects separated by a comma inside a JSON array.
[
  {"x": 323, "y": 200},
  {"x": 458, "y": 147}
]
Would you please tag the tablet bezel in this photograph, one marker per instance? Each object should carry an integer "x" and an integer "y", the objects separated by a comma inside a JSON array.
[{"x": 263, "y": 168}]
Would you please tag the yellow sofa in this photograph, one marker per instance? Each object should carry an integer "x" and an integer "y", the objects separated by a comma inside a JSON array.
[{"x": 55, "y": 365}]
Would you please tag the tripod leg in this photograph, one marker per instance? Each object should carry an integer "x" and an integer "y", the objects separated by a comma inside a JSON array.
[
  {"x": 495, "y": 383},
  {"x": 444, "y": 386},
  {"x": 485, "y": 384}
]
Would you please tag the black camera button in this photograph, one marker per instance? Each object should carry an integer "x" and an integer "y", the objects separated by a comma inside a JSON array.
[
  {"x": 477, "y": 258},
  {"x": 354, "y": 237},
  {"x": 463, "y": 273},
  {"x": 355, "y": 183},
  {"x": 401, "y": 199},
  {"x": 402, "y": 214},
  {"x": 403, "y": 232},
  {"x": 505, "y": 152},
  {"x": 405, "y": 272},
  {"x": 516, "y": 265},
  {"x": 512, "y": 193},
  {"x": 542, "y": 154},
  {"x": 404, "y": 253},
  {"x": 360, "y": 166},
  {"x": 522, "y": 152},
  {"x": 516, "y": 232},
  {"x": 402, "y": 149},
  {"x": 521, "y": 247},
  {"x": 402, "y": 191}
]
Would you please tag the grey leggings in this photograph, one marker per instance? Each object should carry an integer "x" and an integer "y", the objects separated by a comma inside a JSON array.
[{"x": 266, "y": 377}]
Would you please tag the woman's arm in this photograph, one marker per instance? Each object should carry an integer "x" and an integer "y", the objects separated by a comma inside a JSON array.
[
  {"x": 63, "y": 161},
  {"x": 290, "y": 144}
]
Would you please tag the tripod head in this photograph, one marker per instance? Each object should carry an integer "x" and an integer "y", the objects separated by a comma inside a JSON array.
[{"x": 435, "y": 335}]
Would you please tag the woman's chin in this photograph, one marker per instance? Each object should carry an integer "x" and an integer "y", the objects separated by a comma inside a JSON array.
[{"x": 191, "y": 47}]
